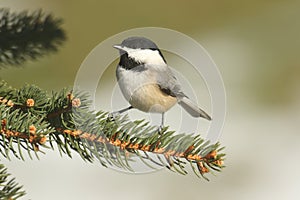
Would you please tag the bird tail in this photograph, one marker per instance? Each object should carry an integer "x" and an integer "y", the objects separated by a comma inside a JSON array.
[{"x": 192, "y": 108}]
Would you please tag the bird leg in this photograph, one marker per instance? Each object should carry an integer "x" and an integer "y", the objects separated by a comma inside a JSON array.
[
  {"x": 115, "y": 114},
  {"x": 162, "y": 123}
]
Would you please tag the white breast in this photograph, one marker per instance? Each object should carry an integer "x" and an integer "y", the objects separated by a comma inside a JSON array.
[
  {"x": 142, "y": 92},
  {"x": 130, "y": 81}
]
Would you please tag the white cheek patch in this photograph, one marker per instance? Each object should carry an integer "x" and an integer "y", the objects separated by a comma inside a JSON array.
[{"x": 146, "y": 56}]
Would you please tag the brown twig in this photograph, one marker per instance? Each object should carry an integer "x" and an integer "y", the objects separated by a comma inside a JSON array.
[
  {"x": 72, "y": 103},
  {"x": 31, "y": 136},
  {"x": 211, "y": 157}
]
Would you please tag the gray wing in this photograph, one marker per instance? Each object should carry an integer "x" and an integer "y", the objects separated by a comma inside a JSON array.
[{"x": 168, "y": 83}]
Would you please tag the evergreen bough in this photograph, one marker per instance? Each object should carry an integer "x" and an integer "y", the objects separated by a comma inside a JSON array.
[{"x": 33, "y": 120}]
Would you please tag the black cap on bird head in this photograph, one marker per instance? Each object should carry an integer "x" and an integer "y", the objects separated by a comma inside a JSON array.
[{"x": 139, "y": 43}]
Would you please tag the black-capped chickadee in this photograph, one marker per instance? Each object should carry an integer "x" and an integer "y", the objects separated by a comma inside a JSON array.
[{"x": 147, "y": 82}]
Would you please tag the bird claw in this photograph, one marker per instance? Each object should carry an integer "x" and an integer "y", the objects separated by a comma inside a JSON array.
[
  {"x": 112, "y": 116},
  {"x": 160, "y": 129}
]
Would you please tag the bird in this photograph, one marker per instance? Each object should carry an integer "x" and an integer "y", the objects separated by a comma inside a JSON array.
[{"x": 147, "y": 82}]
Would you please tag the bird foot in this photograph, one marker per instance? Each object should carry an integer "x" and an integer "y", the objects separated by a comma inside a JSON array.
[
  {"x": 160, "y": 129},
  {"x": 113, "y": 115}
]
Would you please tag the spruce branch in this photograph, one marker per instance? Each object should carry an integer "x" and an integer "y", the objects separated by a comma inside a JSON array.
[
  {"x": 9, "y": 190},
  {"x": 30, "y": 117},
  {"x": 27, "y": 36}
]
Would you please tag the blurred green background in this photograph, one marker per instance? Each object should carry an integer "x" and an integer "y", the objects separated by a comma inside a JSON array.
[{"x": 256, "y": 46}]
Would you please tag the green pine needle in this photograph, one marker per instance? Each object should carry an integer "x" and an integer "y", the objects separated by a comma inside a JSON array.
[{"x": 28, "y": 36}]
